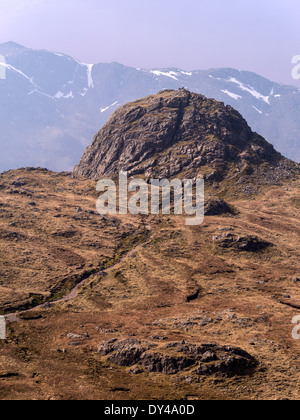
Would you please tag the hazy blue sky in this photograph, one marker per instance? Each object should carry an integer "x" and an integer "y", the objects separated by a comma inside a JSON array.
[{"x": 256, "y": 35}]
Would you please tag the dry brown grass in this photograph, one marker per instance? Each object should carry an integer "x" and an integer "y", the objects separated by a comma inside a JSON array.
[{"x": 146, "y": 294}]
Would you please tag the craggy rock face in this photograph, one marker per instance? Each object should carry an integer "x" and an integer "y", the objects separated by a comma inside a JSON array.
[
  {"x": 247, "y": 243},
  {"x": 205, "y": 359},
  {"x": 180, "y": 134}
]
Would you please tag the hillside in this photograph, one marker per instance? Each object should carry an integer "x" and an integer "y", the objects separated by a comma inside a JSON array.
[
  {"x": 162, "y": 310},
  {"x": 145, "y": 307}
]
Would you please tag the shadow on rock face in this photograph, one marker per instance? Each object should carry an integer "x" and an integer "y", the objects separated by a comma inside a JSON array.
[
  {"x": 205, "y": 359},
  {"x": 215, "y": 206},
  {"x": 241, "y": 243}
]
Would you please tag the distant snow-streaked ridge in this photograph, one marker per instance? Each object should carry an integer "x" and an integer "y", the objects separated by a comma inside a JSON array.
[
  {"x": 10, "y": 67},
  {"x": 171, "y": 74},
  {"x": 52, "y": 89},
  {"x": 232, "y": 95},
  {"x": 250, "y": 90}
]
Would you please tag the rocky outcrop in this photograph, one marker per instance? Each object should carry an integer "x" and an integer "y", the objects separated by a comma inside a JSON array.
[
  {"x": 194, "y": 296},
  {"x": 169, "y": 365},
  {"x": 242, "y": 243},
  {"x": 173, "y": 358},
  {"x": 124, "y": 352},
  {"x": 215, "y": 206},
  {"x": 181, "y": 134}
]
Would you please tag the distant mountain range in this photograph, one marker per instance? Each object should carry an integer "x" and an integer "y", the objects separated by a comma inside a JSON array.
[{"x": 52, "y": 105}]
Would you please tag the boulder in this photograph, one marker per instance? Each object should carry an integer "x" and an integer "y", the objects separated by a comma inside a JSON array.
[
  {"x": 173, "y": 358},
  {"x": 247, "y": 243}
]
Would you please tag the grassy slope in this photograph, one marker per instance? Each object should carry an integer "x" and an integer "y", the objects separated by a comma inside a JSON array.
[{"x": 146, "y": 294}]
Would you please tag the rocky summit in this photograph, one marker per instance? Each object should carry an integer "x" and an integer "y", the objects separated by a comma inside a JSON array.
[{"x": 177, "y": 133}]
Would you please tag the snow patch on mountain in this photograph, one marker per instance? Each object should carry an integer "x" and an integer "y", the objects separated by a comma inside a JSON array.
[
  {"x": 60, "y": 95},
  {"x": 250, "y": 90},
  {"x": 39, "y": 93},
  {"x": 108, "y": 107},
  {"x": 171, "y": 74},
  {"x": 90, "y": 81},
  {"x": 258, "y": 110},
  {"x": 215, "y": 78},
  {"x": 10, "y": 67},
  {"x": 89, "y": 75},
  {"x": 232, "y": 95}
]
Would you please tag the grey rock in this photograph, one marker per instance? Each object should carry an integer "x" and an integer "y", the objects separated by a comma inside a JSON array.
[
  {"x": 179, "y": 132},
  {"x": 169, "y": 365},
  {"x": 247, "y": 243},
  {"x": 207, "y": 359}
]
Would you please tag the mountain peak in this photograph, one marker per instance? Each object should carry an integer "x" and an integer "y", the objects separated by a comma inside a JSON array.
[
  {"x": 11, "y": 47},
  {"x": 177, "y": 133}
]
